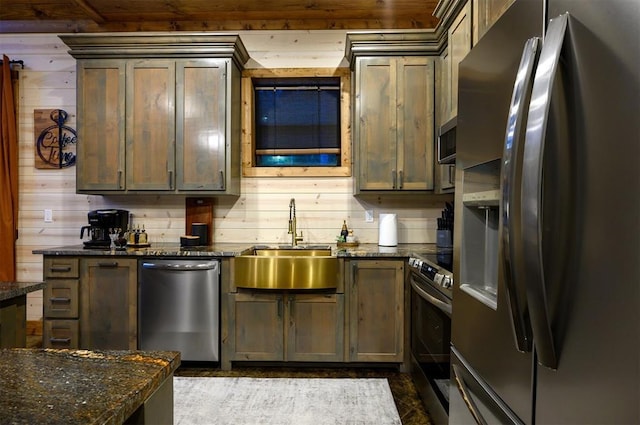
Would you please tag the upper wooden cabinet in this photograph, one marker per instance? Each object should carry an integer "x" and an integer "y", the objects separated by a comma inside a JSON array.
[
  {"x": 459, "y": 44},
  {"x": 158, "y": 114},
  {"x": 485, "y": 13},
  {"x": 394, "y": 123},
  {"x": 393, "y": 120}
]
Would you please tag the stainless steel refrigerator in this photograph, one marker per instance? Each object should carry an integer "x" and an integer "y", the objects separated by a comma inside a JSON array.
[{"x": 546, "y": 303}]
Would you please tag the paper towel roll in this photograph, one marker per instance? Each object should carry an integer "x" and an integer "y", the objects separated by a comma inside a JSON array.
[{"x": 388, "y": 232}]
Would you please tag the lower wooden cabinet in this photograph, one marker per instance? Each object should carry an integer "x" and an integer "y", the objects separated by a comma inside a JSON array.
[
  {"x": 376, "y": 308},
  {"x": 61, "y": 300},
  {"x": 256, "y": 326},
  {"x": 315, "y": 329},
  {"x": 12, "y": 322},
  {"x": 108, "y": 303},
  {"x": 63, "y": 333},
  {"x": 285, "y": 327}
]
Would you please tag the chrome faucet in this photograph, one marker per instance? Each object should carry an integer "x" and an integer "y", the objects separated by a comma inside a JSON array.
[{"x": 292, "y": 224}]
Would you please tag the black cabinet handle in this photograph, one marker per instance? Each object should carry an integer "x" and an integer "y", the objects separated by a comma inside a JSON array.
[
  {"x": 60, "y": 300},
  {"x": 60, "y": 269}
]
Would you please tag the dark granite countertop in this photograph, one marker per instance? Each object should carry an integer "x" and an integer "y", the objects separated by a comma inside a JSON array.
[
  {"x": 10, "y": 290},
  {"x": 78, "y": 386},
  {"x": 155, "y": 250},
  {"x": 235, "y": 249}
]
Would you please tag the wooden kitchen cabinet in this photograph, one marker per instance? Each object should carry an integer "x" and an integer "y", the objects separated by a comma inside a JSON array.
[
  {"x": 315, "y": 329},
  {"x": 61, "y": 302},
  {"x": 171, "y": 102},
  {"x": 485, "y": 14},
  {"x": 108, "y": 303},
  {"x": 150, "y": 124},
  {"x": 376, "y": 309},
  {"x": 393, "y": 123},
  {"x": 459, "y": 44},
  {"x": 100, "y": 92},
  {"x": 265, "y": 326},
  {"x": 12, "y": 322},
  {"x": 256, "y": 326}
]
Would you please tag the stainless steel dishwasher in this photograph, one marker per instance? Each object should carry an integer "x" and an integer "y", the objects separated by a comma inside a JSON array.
[{"x": 179, "y": 307}]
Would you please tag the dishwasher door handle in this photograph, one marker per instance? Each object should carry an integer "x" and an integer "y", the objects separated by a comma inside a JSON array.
[{"x": 178, "y": 267}]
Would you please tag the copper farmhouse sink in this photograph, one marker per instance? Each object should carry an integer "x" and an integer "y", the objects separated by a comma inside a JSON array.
[{"x": 287, "y": 268}]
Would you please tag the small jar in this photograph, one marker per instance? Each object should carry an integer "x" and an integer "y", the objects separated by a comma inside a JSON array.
[{"x": 350, "y": 238}]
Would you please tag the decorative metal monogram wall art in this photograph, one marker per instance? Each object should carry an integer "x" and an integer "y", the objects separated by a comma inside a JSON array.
[{"x": 55, "y": 143}]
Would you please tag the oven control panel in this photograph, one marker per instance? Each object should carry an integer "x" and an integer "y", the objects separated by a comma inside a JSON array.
[{"x": 434, "y": 274}]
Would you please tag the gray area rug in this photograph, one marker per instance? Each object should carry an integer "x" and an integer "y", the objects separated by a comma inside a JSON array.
[{"x": 283, "y": 401}]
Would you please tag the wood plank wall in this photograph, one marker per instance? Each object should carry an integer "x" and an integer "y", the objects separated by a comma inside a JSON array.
[{"x": 259, "y": 215}]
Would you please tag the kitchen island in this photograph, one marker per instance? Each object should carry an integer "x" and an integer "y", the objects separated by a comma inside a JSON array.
[
  {"x": 86, "y": 387},
  {"x": 13, "y": 311}
]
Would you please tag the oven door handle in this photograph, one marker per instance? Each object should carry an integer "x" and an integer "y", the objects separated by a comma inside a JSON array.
[{"x": 442, "y": 306}]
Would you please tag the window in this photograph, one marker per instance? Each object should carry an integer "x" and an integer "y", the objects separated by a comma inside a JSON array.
[{"x": 296, "y": 123}]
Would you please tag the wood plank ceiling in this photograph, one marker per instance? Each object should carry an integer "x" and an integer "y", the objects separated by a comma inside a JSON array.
[{"x": 40, "y": 16}]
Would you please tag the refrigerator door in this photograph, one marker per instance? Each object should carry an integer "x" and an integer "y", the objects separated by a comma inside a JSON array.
[
  {"x": 591, "y": 374},
  {"x": 482, "y": 329},
  {"x": 473, "y": 400}
]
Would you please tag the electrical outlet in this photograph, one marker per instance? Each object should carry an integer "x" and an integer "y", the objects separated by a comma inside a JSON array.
[
  {"x": 48, "y": 216},
  {"x": 368, "y": 216}
]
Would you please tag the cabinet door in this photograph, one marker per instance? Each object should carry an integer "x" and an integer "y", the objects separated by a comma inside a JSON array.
[
  {"x": 150, "y": 125},
  {"x": 61, "y": 334},
  {"x": 415, "y": 115},
  {"x": 13, "y": 313},
  {"x": 459, "y": 35},
  {"x": 61, "y": 298},
  {"x": 256, "y": 322},
  {"x": 316, "y": 328},
  {"x": 100, "y": 164},
  {"x": 485, "y": 14},
  {"x": 108, "y": 303},
  {"x": 444, "y": 88},
  {"x": 376, "y": 127},
  {"x": 376, "y": 331},
  {"x": 201, "y": 124}
]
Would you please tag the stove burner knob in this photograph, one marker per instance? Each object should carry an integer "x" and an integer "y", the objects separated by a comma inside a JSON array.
[
  {"x": 438, "y": 279},
  {"x": 447, "y": 282},
  {"x": 416, "y": 263}
]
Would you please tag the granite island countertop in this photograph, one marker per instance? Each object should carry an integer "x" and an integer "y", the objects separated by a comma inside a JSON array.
[
  {"x": 79, "y": 386},
  {"x": 9, "y": 290},
  {"x": 235, "y": 249}
]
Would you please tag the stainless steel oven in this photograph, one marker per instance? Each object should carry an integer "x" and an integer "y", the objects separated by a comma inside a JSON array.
[{"x": 431, "y": 297}]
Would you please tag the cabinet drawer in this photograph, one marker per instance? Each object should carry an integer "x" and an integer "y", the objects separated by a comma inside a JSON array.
[
  {"x": 61, "y": 299},
  {"x": 60, "y": 267},
  {"x": 61, "y": 334}
]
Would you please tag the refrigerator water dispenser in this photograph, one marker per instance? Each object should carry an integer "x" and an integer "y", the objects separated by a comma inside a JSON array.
[{"x": 480, "y": 223}]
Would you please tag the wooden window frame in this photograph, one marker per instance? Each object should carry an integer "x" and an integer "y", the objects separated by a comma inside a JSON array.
[{"x": 249, "y": 169}]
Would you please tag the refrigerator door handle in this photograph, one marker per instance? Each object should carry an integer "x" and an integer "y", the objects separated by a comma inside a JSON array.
[
  {"x": 511, "y": 193},
  {"x": 532, "y": 210},
  {"x": 466, "y": 396}
]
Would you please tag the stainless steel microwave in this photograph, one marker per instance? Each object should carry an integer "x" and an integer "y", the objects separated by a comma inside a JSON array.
[{"x": 447, "y": 142}]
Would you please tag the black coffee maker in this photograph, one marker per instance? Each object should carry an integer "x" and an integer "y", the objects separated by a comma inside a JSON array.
[{"x": 101, "y": 224}]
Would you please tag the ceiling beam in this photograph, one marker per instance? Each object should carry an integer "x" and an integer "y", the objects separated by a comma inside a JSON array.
[{"x": 90, "y": 11}]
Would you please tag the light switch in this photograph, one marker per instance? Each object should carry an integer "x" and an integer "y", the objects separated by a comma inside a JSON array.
[
  {"x": 48, "y": 216},
  {"x": 368, "y": 216}
]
